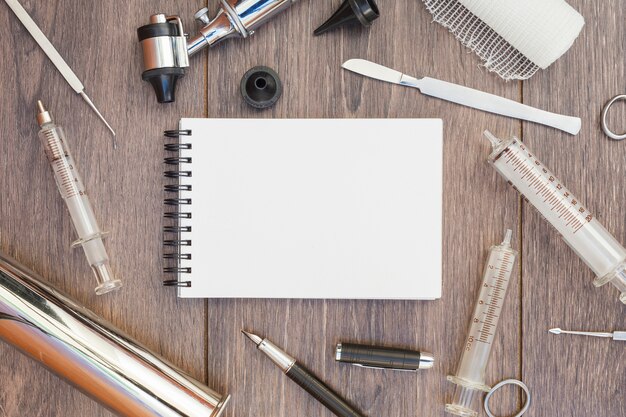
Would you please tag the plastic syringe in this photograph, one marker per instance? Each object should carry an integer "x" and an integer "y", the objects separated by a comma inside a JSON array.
[
  {"x": 470, "y": 374},
  {"x": 73, "y": 192},
  {"x": 580, "y": 229}
]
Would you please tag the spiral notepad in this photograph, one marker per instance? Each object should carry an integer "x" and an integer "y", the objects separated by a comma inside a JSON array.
[{"x": 304, "y": 208}]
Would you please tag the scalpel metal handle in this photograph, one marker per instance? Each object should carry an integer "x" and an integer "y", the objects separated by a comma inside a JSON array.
[{"x": 496, "y": 104}]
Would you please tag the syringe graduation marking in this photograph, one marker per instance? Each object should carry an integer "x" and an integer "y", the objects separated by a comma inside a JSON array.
[
  {"x": 572, "y": 216},
  {"x": 61, "y": 165},
  {"x": 495, "y": 298}
]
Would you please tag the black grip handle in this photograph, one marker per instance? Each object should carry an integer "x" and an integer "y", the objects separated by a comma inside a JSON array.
[{"x": 321, "y": 392}]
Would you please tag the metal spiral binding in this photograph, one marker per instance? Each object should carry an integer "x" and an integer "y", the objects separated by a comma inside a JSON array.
[{"x": 177, "y": 241}]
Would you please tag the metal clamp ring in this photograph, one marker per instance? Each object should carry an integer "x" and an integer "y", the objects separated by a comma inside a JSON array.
[
  {"x": 605, "y": 125},
  {"x": 500, "y": 385}
]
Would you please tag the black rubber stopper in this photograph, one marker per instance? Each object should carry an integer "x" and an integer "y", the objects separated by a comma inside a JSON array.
[
  {"x": 163, "y": 80},
  {"x": 261, "y": 87},
  {"x": 351, "y": 11}
]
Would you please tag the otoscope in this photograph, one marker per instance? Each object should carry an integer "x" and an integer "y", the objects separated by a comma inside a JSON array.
[{"x": 166, "y": 49}]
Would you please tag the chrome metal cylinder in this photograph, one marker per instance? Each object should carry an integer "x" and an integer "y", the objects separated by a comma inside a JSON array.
[
  {"x": 235, "y": 18},
  {"x": 92, "y": 355},
  {"x": 254, "y": 13},
  {"x": 163, "y": 43}
]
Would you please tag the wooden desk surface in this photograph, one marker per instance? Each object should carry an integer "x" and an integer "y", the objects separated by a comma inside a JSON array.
[{"x": 568, "y": 376}]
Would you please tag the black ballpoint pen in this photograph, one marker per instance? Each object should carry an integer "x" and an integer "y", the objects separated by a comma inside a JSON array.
[{"x": 304, "y": 378}]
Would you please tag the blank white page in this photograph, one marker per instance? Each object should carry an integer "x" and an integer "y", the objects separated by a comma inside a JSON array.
[{"x": 314, "y": 208}]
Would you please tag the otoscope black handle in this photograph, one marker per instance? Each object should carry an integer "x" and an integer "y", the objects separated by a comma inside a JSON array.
[{"x": 321, "y": 392}]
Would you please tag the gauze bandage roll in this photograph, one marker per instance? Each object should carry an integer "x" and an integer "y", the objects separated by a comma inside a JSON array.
[{"x": 514, "y": 38}]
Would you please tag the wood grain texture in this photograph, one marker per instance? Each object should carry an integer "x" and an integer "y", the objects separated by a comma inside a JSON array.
[
  {"x": 315, "y": 86},
  {"x": 576, "y": 376},
  {"x": 569, "y": 377},
  {"x": 98, "y": 40}
]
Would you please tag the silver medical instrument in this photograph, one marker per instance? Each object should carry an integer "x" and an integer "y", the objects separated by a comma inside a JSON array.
[
  {"x": 470, "y": 374},
  {"x": 56, "y": 59},
  {"x": 166, "y": 49},
  {"x": 465, "y": 96},
  {"x": 73, "y": 192},
  {"x": 579, "y": 228},
  {"x": 91, "y": 354},
  {"x": 617, "y": 335},
  {"x": 605, "y": 112}
]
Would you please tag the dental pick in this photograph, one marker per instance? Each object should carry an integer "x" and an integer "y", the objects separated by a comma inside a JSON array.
[
  {"x": 620, "y": 335},
  {"x": 56, "y": 59}
]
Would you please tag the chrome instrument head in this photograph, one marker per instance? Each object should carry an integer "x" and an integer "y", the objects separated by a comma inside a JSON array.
[{"x": 166, "y": 49}]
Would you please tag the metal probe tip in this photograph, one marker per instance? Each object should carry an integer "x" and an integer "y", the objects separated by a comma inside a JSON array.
[
  {"x": 255, "y": 339},
  {"x": 93, "y": 107},
  {"x": 556, "y": 330}
]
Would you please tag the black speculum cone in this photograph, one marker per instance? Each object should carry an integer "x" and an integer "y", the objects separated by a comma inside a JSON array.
[
  {"x": 261, "y": 87},
  {"x": 163, "y": 80},
  {"x": 351, "y": 11}
]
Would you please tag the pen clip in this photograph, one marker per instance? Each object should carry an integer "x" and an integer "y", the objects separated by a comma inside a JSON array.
[{"x": 360, "y": 365}]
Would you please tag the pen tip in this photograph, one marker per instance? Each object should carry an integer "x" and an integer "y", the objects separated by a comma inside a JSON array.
[
  {"x": 40, "y": 107},
  {"x": 556, "y": 330},
  {"x": 254, "y": 338}
]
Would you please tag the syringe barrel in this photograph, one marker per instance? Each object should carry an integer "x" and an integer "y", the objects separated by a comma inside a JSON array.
[
  {"x": 579, "y": 228},
  {"x": 69, "y": 182},
  {"x": 73, "y": 191},
  {"x": 470, "y": 374},
  {"x": 55, "y": 146}
]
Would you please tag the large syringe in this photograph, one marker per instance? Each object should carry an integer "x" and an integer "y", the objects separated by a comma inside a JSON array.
[
  {"x": 581, "y": 231},
  {"x": 73, "y": 192},
  {"x": 470, "y": 373}
]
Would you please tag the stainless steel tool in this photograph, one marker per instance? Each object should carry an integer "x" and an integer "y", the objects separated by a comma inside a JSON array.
[
  {"x": 618, "y": 335},
  {"x": 465, "y": 96},
  {"x": 92, "y": 355},
  {"x": 56, "y": 59},
  {"x": 166, "y": 49}
]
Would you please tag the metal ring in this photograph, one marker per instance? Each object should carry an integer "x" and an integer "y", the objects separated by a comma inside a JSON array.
[
  {"x": 500, "y": 385},
  {"x": 605, "y": 125}
]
